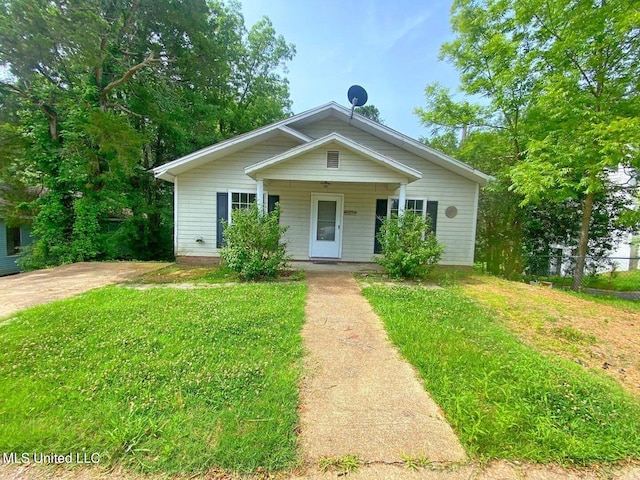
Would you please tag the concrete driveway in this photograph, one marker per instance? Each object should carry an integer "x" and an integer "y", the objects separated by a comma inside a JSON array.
[{"x": 42, "y": 286}]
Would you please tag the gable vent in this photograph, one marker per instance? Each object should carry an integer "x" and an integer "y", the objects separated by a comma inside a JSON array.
[{"x": 333, "y": 159}]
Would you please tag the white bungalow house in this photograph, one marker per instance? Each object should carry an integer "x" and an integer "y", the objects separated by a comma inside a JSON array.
[{"x": 335, "y": 175}]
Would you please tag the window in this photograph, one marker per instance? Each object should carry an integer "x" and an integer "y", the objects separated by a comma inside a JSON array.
[
  {"x": 333, "y": 159},
  {"x": 389, "y": 206},
  {"x": 411, "y": 205},
  {"x": 13, "y": 240},
  {"x": 234, "y": 200},
  {"x": 242, "y": 200},
  {"x": 418, "y": 206},
  {"x": 239, "y": 200}
]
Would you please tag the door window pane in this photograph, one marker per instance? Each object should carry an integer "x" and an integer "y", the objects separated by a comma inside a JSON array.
[{"x": 326, "y": 220}]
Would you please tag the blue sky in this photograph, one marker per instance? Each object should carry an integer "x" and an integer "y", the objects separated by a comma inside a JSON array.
[{"x": 389, "y": 47}]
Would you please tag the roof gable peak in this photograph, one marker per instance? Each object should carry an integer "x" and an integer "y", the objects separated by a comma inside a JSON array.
[{"x": 332, "y": 109}]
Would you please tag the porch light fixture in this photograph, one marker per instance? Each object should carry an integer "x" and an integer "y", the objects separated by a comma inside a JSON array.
[{"x": 325, "y": 184}]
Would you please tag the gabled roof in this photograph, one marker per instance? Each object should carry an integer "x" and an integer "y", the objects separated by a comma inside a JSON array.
[
  {"x": 335, "y": 138},
  {"x": 288, "y": 126}
]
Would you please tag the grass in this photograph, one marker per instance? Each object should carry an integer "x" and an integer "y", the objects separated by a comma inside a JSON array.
[
  {"x": 504, "y": 398},
  {"x": 628, "y": 305},
  {"x": 446, "y": 276},
  {"x": 574, "y": 335},
  {"x": 616, "y": 281},
  {"x": 442, "y": 275},
  {"x": 188, "y": 273},
  {"x": 157, "y": 380},
  {"x": 415, "y": 462},
  {"x": 342, "y": 465},
  {"x": 202, "y": 274},
  {"x": 619, "y": 281}
]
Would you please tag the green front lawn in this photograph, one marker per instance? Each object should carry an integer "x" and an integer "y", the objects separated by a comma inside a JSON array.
[
  {"x": 619, "y": 281},
  {"x": 198, "y": 274},
  {"x": 175, "y": 273},
  {"x": 161, "y": 380},
  {"x": 504, "y": 398},
  {"x": 616, "y": 281}
]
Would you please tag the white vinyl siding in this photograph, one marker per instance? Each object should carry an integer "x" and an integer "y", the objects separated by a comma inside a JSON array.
[
  {"x": 294, "y": 180},
  {"x": 312, "y": 166},
  {"x": 358, "y": 222},
  {"x": 196, "y": 197},
  {"x": 437, "y": 184}
]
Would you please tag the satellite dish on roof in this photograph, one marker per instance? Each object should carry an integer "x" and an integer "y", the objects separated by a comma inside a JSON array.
[{"x": 357, "y": 97}]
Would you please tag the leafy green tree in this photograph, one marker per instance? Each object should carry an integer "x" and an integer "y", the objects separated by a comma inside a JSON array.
[
  {"x": 97, "y": 93},
  {"x": 559, "y": 80},
  {"x": 488, "y": 135},
  {"x": 477, "y": 135},
  {"x": 586, "y": 118},
  {"x": 371, "y": 112}
]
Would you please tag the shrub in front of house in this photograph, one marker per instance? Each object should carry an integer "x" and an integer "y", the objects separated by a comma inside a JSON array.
[
  {"x": 254, "y": 247},
  {"x": 409, "y": 247}
]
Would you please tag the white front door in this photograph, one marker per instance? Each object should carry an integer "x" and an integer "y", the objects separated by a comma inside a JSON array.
[{"x": 326, "y": 226}]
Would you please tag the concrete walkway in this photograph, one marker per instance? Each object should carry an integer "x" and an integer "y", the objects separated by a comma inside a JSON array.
[
  {"x": 43, "y": 286},
  {"x": 359, "y": 396}
]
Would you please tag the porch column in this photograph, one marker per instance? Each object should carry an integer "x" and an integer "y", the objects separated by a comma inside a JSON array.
[
  {"x": 402, "y": 199},
  {"x": 260, "y": 195}
]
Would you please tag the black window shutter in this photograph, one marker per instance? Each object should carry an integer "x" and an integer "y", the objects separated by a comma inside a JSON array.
[
  {"x": 222, "y": 212},
  {"x": 271, "y": 202},
  {"x": 381, "y": 212},
  {"x": 432, "y": 211}
]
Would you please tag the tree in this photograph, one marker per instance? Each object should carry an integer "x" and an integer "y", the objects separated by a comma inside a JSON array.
[
  {"x": 490, "y": 135},
  {"x": 100, "y": 92},
  {"x": 487, "y": 137},
  {"x": 586, "y": 118},
  {"x": 371, "y": 112},
  {"x": 559, "y": 80}
]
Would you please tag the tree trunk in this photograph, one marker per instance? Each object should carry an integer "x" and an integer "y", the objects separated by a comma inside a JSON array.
[{"x": 584, "y": 242}]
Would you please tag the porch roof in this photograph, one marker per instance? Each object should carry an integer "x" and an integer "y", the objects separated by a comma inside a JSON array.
[{"x": 383, "y": 169}]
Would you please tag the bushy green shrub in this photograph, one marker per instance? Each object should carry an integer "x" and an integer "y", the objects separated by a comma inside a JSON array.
[
  {"x": 254, "y": 247},
  {"x": 409, "y": 247}
]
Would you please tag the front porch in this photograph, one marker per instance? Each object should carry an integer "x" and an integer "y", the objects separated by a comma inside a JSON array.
[{"x": 331, "y": 221}]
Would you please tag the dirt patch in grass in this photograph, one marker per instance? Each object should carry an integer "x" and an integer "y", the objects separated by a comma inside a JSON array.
[
  {"x": 597, "y": 336},
  {"x": 187, "y": 273}
]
